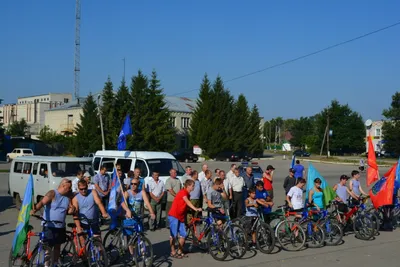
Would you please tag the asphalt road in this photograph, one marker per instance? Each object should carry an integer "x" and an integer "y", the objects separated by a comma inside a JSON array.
[{"x": 381, "y": 251}]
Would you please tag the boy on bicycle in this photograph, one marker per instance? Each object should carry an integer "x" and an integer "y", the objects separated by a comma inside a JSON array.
[
  {"x": 215, "y": 196},
  {"x": 251, "y": 212}
]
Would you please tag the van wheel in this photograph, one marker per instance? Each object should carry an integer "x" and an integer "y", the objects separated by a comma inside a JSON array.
[
  {"x": 186, "y": 160},
  {"x": 227, "y": 159},
  {"x": 17, "y": 201}
]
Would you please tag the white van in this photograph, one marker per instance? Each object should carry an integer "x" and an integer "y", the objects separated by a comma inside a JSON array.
[
  {"x": 146, "y": 161},
  {"x": 47, "y": 174}
]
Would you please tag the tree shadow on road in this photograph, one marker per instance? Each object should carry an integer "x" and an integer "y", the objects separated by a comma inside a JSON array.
[
  {"x": 7, "y": 232},
  {"x": 6, "y": 202},
  {"x": 161, "y": 252}
]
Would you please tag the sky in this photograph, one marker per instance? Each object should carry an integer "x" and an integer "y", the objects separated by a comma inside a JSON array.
[{"x": 183, "y": 40}]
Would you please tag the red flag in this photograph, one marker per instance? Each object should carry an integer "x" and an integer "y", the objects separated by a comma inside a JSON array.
[
  {"x": 372, "y": 172},
  {"x": 382, "y": 192},
  {"x": 393, "y": 168}
]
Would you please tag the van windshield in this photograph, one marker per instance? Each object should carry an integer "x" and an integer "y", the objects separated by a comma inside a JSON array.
[
  {"x": 66, "y": 169},
  {"x": 163, "y": 166}
]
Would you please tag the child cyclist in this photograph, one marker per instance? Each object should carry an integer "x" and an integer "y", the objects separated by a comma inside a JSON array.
[
  {"x": 176, "y": 217},
  {"x": 215, "y": 196},
  {"x": 251, "y": 212}
]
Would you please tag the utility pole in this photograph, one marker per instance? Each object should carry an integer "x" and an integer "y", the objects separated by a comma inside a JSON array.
[
  {"x": 124, "y": 68},
  {"x": 276, "y": 136},
  {"x": 77, "y": 58}
]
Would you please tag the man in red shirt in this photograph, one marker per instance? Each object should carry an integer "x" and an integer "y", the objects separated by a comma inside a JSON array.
[
  {"x": 176, "y": 218},
  {"x": 267, "y": 180}
]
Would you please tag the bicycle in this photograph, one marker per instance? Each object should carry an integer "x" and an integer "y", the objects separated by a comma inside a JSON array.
[
  {"x": 265, "y": 240},
  {"x": 27, "y": 257},
  {"x": 215, "y": 234},
  {"x": 91, "y": 251},
  {"x": 315, "y": 235},
  {"x": 132, "y": 228},
  {"x": 333, "y": 231}
]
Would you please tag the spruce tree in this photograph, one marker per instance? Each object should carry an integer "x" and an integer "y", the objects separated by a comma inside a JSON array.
[
  {"x": 240, "y": 124},
  {"x": 158, "y": 133},
  {"x": 88, "y": 133},
  {"x": 391, "y": 127},
  {"x": 123, "y": 104},
  {"x": 108, "y": 113},
  {"x": 254, "y": 139},
  {"x": 200, "y": 127},
  {"x": 140, "y": 96}
]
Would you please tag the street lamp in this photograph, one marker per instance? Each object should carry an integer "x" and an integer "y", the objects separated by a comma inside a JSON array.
[{"x": 103, "y": 145}]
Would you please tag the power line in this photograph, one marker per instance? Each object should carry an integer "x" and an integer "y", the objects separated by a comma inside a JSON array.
[{"x": 302, "y": 57}]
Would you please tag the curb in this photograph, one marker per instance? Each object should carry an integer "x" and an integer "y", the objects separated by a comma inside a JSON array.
[{"x": 340, "y": 163}]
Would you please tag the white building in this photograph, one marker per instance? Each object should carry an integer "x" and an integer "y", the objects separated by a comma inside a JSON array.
[
  {"x": 32, "y": 109},
  {"x": 376, "y": 133}
]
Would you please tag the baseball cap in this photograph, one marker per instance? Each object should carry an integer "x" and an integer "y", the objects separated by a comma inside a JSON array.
[
  {"x": 344, "y": 177},
  {"x": 87, "y": 174},
  {"x": 292, "y": 170},
  {"x": 269, "y": 167}
]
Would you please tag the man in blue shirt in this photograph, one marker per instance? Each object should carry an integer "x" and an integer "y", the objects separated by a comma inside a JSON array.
[
  {"x": 299, "y": 170},
  {"x": 262, "y": 198}
]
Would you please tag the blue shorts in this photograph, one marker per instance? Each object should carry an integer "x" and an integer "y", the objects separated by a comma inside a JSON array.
[{"x": 176, "y": 226}]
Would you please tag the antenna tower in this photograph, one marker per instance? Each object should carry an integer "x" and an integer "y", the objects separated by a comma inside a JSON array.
[{"x": 77, "y": 58}]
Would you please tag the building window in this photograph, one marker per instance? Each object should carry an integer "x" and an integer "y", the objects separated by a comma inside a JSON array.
[
  {"x": 66, "y": 100},
  {"x": 172, "y": 121},
  {"x": 378, "y": 132},
  {"x": 185, "y": 123},
  {"x": 184, "y": 142}
]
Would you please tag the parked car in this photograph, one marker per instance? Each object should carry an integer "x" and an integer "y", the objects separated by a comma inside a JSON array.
[
  {"x": 227, "y": 156},
  {"x": 244, "y": 156},
  {"x": 257, "y": 170},
  {"x": 186, "y": 155},
  {"x": 301, "y": 153},
  {"x": 18, "y": 152}
]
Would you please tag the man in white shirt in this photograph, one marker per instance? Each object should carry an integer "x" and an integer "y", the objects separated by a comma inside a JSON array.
[
  {"x": 202, "y": 174},
  {"x": 236, "y": 191},
  {"x": 227, "y": 188},
  {"x": 79, "y": 175},
  {"x": 295, "y": 196},
  {"x": 231, "y": 172},
  {"x": 156, "y": 190}
]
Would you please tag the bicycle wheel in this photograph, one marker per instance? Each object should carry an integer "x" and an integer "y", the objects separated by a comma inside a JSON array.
[
  {"x": 315, "y": 235},
  {"x": 333, "y": 232},
  {"x": 238, "y": 240},
  {"x": 363, "y": 227},
  {"x": 265, "y": 238},
  {"x": 143, "y": 251},
  {"x": 290, "y": 235},
  {"x": 42, "y": 255},
  {"x": 68, "y": 255},
  {"x": 96, "y": 254},
  {"x": 218, "y": 245},
  {"x": 114, "y": 245},
  {"x": 20, "y": 260}
]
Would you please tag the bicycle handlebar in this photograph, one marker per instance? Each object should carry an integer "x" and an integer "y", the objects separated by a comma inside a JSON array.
[{"x": 44, "y": 220}]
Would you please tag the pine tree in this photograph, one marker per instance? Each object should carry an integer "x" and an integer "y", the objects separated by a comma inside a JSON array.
[
  {"x": 158, "y": 133},
  {"x": 255, "y": 143},
  {"x": 221, "y": 110},
  {"x": 123, "y": 104},
  {"x": 88, "y": 133},
  {"x": 240, "y": 127},
  {"x": 201, "y": 128},
  {"x": 391, "y": 128},
  {"x": 108, "y": 113},
  {"x": 140, "y": 96}
]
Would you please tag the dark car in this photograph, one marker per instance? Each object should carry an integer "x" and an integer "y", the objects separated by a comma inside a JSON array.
[
  {"x": 301, "y": 153},
  {"x": 257, "y": 170},
  {"x": 227, "y": 156},
  {"x": 185, "y": 155},
  {"x": 244, "y": 156}
]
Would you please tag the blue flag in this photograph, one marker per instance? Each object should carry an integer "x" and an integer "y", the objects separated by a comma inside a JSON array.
[
  {"x": 23, "y": 218},
  {"x": 328, "y": 192},
  {"x": 293, "y": 161},
  {"x": 125, "y": 131},
  {"x": 398, "y": 171},
  {"x": 112, "y": 202}
]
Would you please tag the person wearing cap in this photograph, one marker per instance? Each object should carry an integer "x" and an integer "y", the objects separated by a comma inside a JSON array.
[
  {"x": 289, "y": 181},
  {"x": 86, "y": 177},
  {"x": 343, "y": 192},
  {"x": 267, "y": 180}
]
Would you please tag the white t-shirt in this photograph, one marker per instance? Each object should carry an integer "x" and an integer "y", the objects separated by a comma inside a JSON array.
[
  {"x": 296, "y": 197},
  {"x": 75, "y": 185},
  {"x": 202, "y": 176}
]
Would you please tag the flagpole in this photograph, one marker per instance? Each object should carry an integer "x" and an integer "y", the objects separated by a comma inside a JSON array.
[{"x": 120, "y": 186}]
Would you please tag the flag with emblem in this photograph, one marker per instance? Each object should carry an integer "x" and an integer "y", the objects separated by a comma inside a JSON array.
[
  {"x": 382, "y": 192},
  {"x": 23, "y": 218},
  {"x": 125, "y": 131}
]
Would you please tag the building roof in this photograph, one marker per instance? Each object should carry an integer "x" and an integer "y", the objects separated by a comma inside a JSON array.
[
  {"x": 71, "y": 105},
  {"x": 180, "y": 104},
  {"x": 44, "y": 94},
  {"x": 134, "y": 154}
]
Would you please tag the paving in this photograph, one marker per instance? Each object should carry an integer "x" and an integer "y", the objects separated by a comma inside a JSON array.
[{"x": 383, "y": 250}]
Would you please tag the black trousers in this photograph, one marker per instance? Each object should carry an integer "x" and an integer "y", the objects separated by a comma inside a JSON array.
[{"x": 237, "y": 207}]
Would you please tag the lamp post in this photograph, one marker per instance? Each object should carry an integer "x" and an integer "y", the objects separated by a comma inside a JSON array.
[{"x": 103, "y": 145}]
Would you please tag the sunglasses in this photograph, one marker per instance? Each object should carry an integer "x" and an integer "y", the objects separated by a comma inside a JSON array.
[
  {"x": 134, "y": 184},
  {"x": 83, "y": 189}
]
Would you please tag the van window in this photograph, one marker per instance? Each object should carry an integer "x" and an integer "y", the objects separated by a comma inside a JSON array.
[
  {"x": 163, "y": 166},
  {"x": 96, "y": 163},
  {"x": 43, "y": 169},
  {"x": 34, "y": 171},
  {"x": 18, "y": 167},
  {"x": 108, "y": 163},
  {"x": 125, "y": 164},
  {"x": 68, "y": 169},
  {"x": 142, "y": 166},
  {"x": 27, "y": 167},
  {"x": 18, "y": 151},
  {"x": 27, "y": 151}
]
